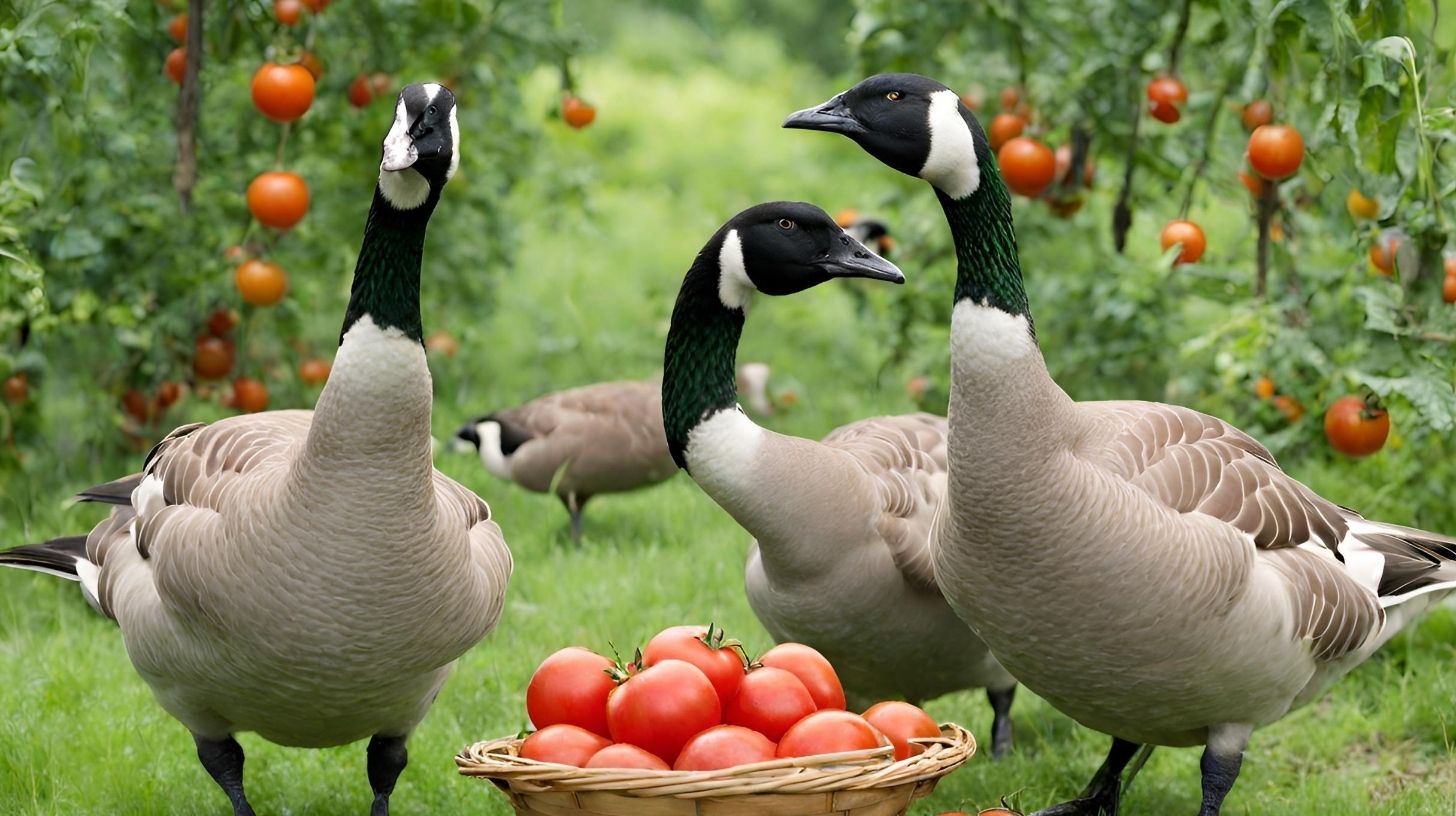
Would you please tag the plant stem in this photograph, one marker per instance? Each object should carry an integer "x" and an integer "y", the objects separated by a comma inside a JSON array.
[
  {"x": 1122, "y": 213},
  {"x": 1268, "y": 205},
  {"x": 189, "y": 104},
  {"x": 1208, "y": 128},
  {"x": 1174, "y": 51}
]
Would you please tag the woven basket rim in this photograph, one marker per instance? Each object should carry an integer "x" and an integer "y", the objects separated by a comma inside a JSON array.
[{"x": 857, "y": 770}]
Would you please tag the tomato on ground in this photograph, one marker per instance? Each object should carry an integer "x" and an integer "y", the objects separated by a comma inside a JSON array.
[
  {"x": 769, "y": 700},
  {"x": 830, "y": 732},
  {"x": 661, "y": 707},
  {"x": 571, "y": 686},
  {"x": 812, "y": 669},
  {"x": 563, "y": 744},
  {"x": 900, "y": 722},
  {"x": 705, "y": 647},
  {"x": 622, "y": 755},
  {"x": 724, "y": 746}
]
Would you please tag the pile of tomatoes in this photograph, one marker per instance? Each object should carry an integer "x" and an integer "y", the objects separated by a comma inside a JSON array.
[{"x": 693, "y": 701}]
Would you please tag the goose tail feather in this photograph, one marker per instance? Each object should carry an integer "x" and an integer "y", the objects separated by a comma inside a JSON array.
[{"x": 63, "y": 557}]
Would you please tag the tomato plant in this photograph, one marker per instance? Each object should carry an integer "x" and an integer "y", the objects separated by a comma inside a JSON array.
[
  {"x": 563, "y": 744},
  {"x": 571, "y": 686},
  {"x": 830, "y": 732},
  {"x": 661, "y": 707},
  {"x": 812, "y": 669}
]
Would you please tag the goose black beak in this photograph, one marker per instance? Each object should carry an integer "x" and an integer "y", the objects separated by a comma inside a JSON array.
[
  {"x": 833, "y": 116},
  {"x": 466, "y": 439},
  {"x": 851, "y": 260}
]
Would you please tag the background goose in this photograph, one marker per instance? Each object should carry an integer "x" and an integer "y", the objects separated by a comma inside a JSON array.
[
  {"x": 309, "y": 575},
  {"x": 578, "y": 443},
  {"x": 1168, "y": 583},
  {"x": 842, "y": 558}
]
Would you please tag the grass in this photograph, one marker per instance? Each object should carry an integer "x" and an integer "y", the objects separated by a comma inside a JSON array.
[{"x": 588, "y": 300}]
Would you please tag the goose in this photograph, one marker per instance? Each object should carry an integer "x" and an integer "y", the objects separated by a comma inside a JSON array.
[
  {"x": 308, "y": 575},
  {"x": 1147, "y": 569},
  {"x": 841, "y": 560},
  {"x": 577, "y": 443}
]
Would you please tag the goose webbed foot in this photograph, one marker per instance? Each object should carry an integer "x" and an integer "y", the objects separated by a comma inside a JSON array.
[
  {"x": 223, "y": 760},
  {"x": 1001, "y": 722},
  {"x": 387, "y": 758},
  {"x": 574, "y": 506},
  {"x": 1102, "y": 794}
]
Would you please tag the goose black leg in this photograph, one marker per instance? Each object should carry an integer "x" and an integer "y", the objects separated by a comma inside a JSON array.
[
  {"x": 1001, "y": 723},
  {"x": 387, "y": 758},
  {"x": 1101, "y": 796},
  {"x": 223, "y": 760},
  {"x": 1219, "y": 773},
  {"x": 574, "y": 507}
]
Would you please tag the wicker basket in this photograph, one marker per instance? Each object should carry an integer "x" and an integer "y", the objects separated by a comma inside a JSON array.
[{"x": 859, "y": 783}]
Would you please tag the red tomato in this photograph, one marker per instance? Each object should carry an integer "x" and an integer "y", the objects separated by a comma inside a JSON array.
[
  {"x": 177, "y": 28},
  {"x": 812, "y": 669},
  {"x": 662, "y": 707},
  {"x": 1187, "y": 233},
  {"x": 769, "y": 700},
  {"x": 900, "y": 722},
  {"x": 1256, "y": 113},
  {"x": 1027, "y": 165},
  {"x": 703, "y": 646},
  {"x": 282, "y": 92},
  {"x": 360, "y": 93},
  {"x": 576, "y": 113},
  {"x": 1275, "y": 151},
  {"x": 622, "y": 755},
  {"x": 1355, "y": 427},
  {"x": 830, "y": 732},
  {"x": 1448, "y": 289},
  {"x": 563, "y": 744},
  {"x": 724, "y": 746},
  {"x": 1166, "y": 96},
  {"x": 571, "y": 686},
  {"x": 1005, "y": 127},
  {"x": 176, "y": 64}
]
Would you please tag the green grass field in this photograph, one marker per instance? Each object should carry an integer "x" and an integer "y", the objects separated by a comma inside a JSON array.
[{"x": 589, "y": 300}]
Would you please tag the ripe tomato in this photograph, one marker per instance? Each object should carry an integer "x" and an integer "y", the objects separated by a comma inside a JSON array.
[
  {"x": 261, "y": 283},
  {"x": 288, "y": 11},
  {"x": 1448, "y": 286},
  {"x": 168, "y": 392},
  {"x": 282, "y": 92},
  {"x": 314, "y": 371},
  {"x": 1004, "y": 128},
  {"x": 1289, "y": 407},
  {"x": 1252, "y": 183},
  {"x": 221, "y": 321},
  {"x": 310, "y": 61},
  {"x": 316, "y": 6},
  {"x": 1187, "y": 233},
  {"x": 278, "y": 198},
  {"x": 1063, "y": 157},
  {"x": 571, "y": 686},
  {"x": 830, "y": 732},
  {"x": 442, "y": 342},
  {"x": 724, "y": 746},
  {"x": 1256, "y": 114},
  {"x": 1275, "y": 151},
  {"x": 17, "y": 388},
  {"x": 137, "y": 406},
  {"x": 1027, "y": 165},
  {"x": 176, "y": 63},
  {"x": 1166, "y": 96},
  {"x": 703, "y": 646},
  {"x": 1382, "y": 253},
  {"x": 214, "y": 358},
  {"x": 577, "y": 113},
  {"x": 769, "y": 700},
  {"x": 1010, "y": 97},
  {"x": 1360, "y": 206},
  {"x": 812, "y": 669},
  {"x": 1264, "y": 387},
  {"x": 661, "y": 707},
  {"x": 622, "y": 755},
  {"x": 360, "y": 93},
  {"x": 249, "y": 395},
  {"x": 177, "y": 28},
  {"x": 900, "y": 722},
  {"x": 563, "y": 744},
  {"x": 1356, "y": 427}
]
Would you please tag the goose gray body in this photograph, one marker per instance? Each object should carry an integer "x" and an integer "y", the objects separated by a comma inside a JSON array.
[
  {"x": 1148, "y": 569},
  {"x": 841, "y": 560}
]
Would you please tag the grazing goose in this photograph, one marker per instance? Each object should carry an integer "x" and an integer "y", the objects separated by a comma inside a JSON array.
[
  {"x": 309, "y": 576},
  {"x": 842, "y": 558},
  {"x": 1146, "y": 568},
  {"x": 578, "y": 443}
]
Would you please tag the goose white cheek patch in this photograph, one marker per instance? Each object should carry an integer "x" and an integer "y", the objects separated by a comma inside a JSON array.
[
  {"x": 951, "y": 165},
  {"x": 734, "y": 287},
  {"x": 399, "y": 148}
]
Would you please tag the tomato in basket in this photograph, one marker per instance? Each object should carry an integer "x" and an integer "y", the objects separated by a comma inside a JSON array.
[
  {"x": 571, "y": 686},
  {"x": 563, "y": 744},
  {"x": 829, "y": 732},
  {"x": 812, "y": 669},
  {"x": 769, "y": 701},
  {"x": 724, "y": 746},
  {"x": 662, "y": 707},
  {"x": 901, "y": 722},
  {"x": 622, "y": 755}
]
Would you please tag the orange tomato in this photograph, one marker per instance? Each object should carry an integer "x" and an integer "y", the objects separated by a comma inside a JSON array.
[
  {"x": 901, "y": 722},
  {"x": 1382, "y": 253},
  {"x": 360, "y": 91},
  {"x": 176, "y": 64},
  {"x": 1289, "y": 407},
  {"x": 1252, "y": 183},
  {"x": 1187, "y": 233},
  {"x": 1360, "y": 206},
  {"x": 177, "y": 28},
  {"x": 282, "y": 93},
  {"x": 1010, "y": 97},
  {"x": 1166, "y": 96},
  {"x": 1005, "y": 127},
  {"x": 442, "y": 342},
  {"x": 214, "y": 358},
  {"x": 288, "y": 11},
  {"x": 1276, "y": 151},
  {"x": 314, "y": 371},
  {"x": 17, "y": 388},
  {"x": 1256, "y": 114},
  {"x": 1356, "y": 427},
  {"x": 278, "y": 198},
  {"x": 261, "y": 283},
  {"x": 1264, "y": 387},
  {"x": 221, "y": 321},
  {"x": 310, "y": 61},
  {"x": 249, "y": 395},
  {"x": 577, "y": 113},
  {"x": 1027, "y": 165}
]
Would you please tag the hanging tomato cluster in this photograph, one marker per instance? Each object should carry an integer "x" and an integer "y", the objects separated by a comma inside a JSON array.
[{"x": 692, "y": 701}]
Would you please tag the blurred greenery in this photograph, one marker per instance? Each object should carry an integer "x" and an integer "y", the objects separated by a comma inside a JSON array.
[{"x": 554, "y": 260}]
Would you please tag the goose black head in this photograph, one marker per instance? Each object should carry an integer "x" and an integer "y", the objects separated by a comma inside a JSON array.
[
  {"x": 422, "y": 149},
  {"x": 911, "y": 123},
  {"x": 785, "y": 247}
]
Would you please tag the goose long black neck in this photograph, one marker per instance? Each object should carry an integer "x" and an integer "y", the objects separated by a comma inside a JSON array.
[
  {"x": 387, "y": 275},
  {"x": 698, "y": 371},
  {"x": 987, "y": 266}
]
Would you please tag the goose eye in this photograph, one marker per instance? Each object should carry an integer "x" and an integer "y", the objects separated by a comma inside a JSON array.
[
  {"x": 893, "y": 96},
  {"x": 431, "y": 111},
  {"x": 785, "y": 224}
]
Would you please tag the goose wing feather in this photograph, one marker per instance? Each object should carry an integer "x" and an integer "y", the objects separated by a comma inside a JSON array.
[{"x": 608, "y": 433}]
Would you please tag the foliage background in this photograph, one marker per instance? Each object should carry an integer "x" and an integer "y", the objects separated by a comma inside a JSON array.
[{"x": 554, "y": 261}]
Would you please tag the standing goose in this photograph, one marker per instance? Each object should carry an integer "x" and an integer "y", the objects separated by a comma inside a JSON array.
[
  {"x": 1146, "y": 568},
  {"x": 578, "y": 443},
  {"x": 308, "y": 575},
  {"x": 842, "y": 559}
]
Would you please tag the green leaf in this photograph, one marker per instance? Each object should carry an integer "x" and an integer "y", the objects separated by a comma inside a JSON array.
[{"x": 1427, "y": 391}]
